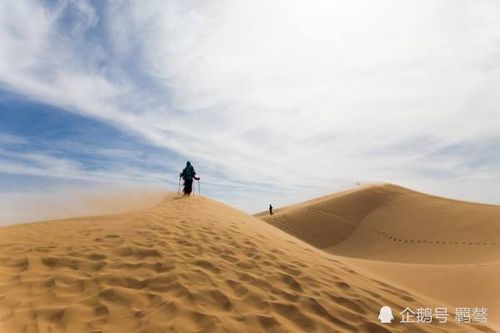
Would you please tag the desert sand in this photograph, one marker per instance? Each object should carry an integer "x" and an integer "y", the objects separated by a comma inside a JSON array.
[
  {"x": 187, "y": 265},
  {"x": 446, "y": 249}
]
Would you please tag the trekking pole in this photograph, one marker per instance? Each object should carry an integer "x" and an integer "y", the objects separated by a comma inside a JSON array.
[{"x": 179, "y": 188}]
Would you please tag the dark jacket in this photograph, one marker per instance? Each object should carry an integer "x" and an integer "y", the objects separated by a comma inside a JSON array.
[{"x": 188, "y": 173}]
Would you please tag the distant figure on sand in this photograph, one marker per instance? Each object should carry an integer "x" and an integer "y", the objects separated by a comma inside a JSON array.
[
  {"x": 188, "y": 174},
  {"x": 271, "y": 209}
]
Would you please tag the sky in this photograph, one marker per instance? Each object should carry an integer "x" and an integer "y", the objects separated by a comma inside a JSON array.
[{"x": 272, "y": 101}]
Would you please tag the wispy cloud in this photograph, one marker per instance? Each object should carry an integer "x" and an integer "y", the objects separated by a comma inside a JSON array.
[
  {"x": 44, "y": 165},
  {"x": 302, "y": 98}
]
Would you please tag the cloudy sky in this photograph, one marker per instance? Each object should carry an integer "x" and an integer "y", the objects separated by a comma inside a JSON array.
[{"x": 272, "y": 101}]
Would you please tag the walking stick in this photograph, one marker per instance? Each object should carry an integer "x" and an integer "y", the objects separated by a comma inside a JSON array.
[{"x": 179, "y": 188}]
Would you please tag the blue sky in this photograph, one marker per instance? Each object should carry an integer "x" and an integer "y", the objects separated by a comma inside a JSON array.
[
  {"x": 272, "y": 102},
  {"x": 40, "y": 137}
]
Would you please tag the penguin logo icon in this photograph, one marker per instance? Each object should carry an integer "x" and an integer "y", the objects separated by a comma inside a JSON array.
[{"x": 385, "y": 316}]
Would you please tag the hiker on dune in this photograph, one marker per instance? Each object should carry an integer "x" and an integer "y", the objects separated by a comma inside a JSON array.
[{"x": 188, "y": 174}]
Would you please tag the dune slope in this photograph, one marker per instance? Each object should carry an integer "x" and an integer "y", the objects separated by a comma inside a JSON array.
[
  {"x": 391, "y": 223},
  {"x": 453, "y": 285},
  {"x": 448, "y": 250},
  {"x": 186, "y": 265}
]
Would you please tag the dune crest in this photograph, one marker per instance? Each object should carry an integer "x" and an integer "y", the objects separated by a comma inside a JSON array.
[{"x": 186, "y": 265}]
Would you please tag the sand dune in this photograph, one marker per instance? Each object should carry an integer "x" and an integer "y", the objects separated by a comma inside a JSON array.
[
  {"x": 391, "y": 223},
  {"x": 186, "y": 265},
  {"x": 453, "y": 285},
  {"x": 446, "y": 249}
]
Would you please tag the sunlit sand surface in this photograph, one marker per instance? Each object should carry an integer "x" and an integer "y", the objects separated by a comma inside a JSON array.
[
  {"x": 188, "y": 265},
  {"x": 446, "y": 249}
]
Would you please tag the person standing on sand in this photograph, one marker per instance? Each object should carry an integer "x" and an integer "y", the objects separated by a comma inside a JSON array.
[
  {"x": 270, "y": 209},
  {"x": 188, "y": 174}
]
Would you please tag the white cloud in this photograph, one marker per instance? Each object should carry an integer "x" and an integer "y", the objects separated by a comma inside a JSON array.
[
  {"x": 45, "y": 165},
  {"x": 308, "y": 96},
  {"x": 7, "y": 139}
]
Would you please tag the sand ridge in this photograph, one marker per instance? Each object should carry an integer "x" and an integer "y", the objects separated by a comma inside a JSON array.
[
  {"x": 386, "y": 222},
  {"x": 186, "y": 265},
  {"x": 447, "y": 249}
]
